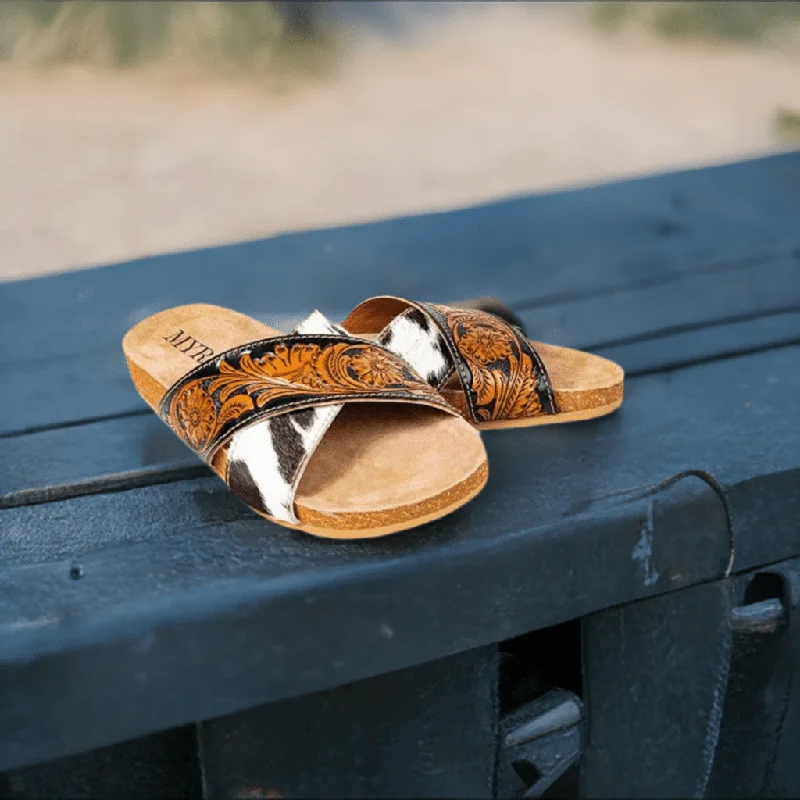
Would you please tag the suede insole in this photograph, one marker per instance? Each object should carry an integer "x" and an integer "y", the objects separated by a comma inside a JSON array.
[{"x": 381, "y": 467}]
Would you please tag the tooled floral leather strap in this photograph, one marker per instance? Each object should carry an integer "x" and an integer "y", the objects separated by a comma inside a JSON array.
[
  {"x": 274, "y": 399},
  {"x": 501, "y": 374}
]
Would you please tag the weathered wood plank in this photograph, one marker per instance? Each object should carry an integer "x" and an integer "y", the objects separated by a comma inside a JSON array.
[
  {"x": 697, "y": 345},
  {"x": 64, "y": 456},
  {"x": 690, "y": 301},
  {"x": 690, "y": 316}
]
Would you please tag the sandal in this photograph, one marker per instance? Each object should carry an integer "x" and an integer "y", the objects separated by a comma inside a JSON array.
[
  {"x": 316, "y": 430},
  {"x": 486, "y": 368}
]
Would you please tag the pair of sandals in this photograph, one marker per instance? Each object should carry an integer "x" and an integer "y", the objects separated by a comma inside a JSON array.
[{"x": 360, "y": 429}]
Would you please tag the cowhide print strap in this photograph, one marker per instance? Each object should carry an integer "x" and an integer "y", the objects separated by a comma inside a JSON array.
[
  {"x": 267, "y": 459},
  {"x": 416, "y": 338},
  {"x": 500, "y": 372},
  {"x": 273, "y": 400}
]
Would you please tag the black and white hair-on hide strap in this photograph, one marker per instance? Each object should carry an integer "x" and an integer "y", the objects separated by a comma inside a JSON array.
[
  {"x": 417, "y": 340},
  {"x": 266, "y": 460}
]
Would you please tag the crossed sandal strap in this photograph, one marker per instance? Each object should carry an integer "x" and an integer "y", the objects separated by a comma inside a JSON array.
[
  {"x": 499, "y": 371},
  {"x": 272, "y": 401}
]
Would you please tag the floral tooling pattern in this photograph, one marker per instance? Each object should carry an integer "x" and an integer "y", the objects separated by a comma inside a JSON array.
[
  {"x": 301, "y": 374},
  {"x": 507, "y": 379}
]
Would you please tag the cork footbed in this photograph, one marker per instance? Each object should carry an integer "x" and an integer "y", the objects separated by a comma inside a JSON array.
[
  {"x": 380, "y": 468},
  {"x": 585, "y": 385}
]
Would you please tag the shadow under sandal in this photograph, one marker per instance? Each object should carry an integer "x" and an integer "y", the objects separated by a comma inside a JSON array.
[
  {"x": 486, "y": 368},
  {"x": 316, "y": 430}
]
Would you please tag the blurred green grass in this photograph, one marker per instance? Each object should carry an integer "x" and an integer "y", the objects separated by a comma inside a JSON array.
[
  {"x": 250, "y": 37},
  {"x": 742, "y": 22},
  {"x": 787, "y": 124}
]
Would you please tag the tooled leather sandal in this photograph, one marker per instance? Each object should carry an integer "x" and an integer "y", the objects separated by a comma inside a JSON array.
[
  {"x": 487, "y": 368},
  {"x": 316, "y": 430}
]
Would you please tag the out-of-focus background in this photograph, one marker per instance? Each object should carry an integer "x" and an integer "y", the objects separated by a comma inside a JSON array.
[{"x": 129, "y": 129}]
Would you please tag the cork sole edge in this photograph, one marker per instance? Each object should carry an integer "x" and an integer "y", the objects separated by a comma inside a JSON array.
[
  {"x": 462, "y": 494},
  {"x": 553, "y": 419}
]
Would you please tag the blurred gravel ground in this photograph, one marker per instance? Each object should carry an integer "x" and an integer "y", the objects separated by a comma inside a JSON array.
[{"x": 100, "y": 165}]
